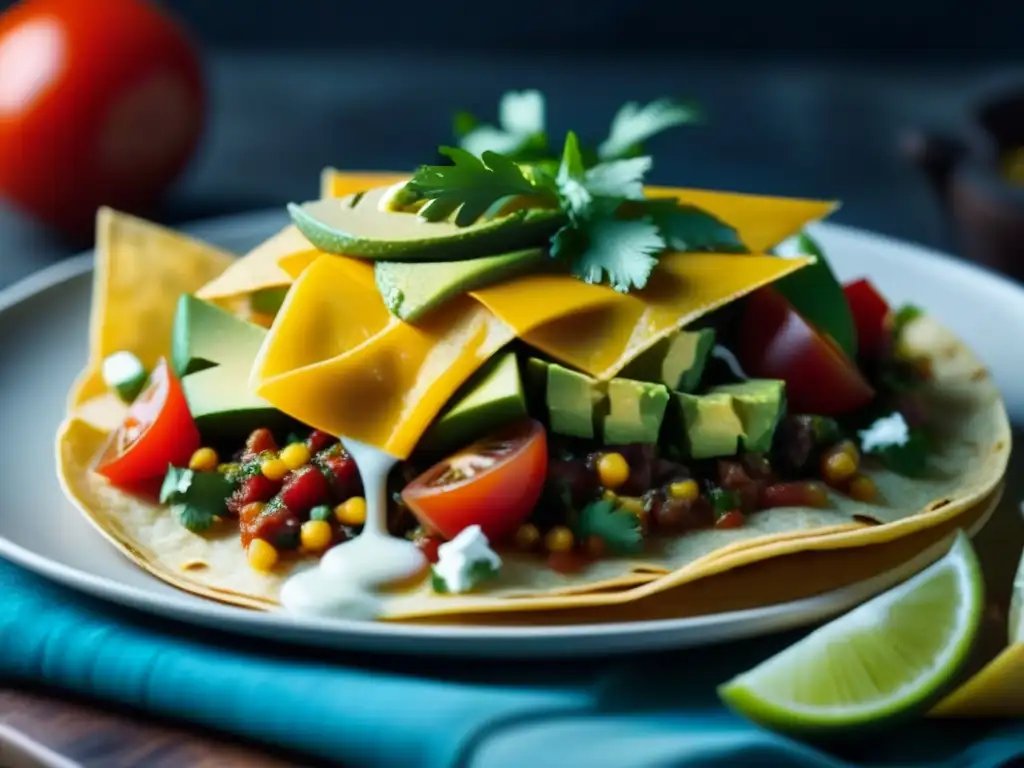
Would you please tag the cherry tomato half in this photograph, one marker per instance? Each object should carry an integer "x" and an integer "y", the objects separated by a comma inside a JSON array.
[
  {"x": 775, "y": 342},
  {"x": 157, "y": 431},
  {"x": 869, "y": 312},
  {"x": 494, "y": 483},
  {"x": 101, "y": 103}
]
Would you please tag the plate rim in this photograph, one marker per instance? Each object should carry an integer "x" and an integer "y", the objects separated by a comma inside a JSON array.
[{"x": 185, "y": 607}]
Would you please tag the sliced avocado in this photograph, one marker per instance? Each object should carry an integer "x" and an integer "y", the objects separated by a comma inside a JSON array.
[
  {"x": 677, "y": 361},
  {"x": 213, "y": 352},
  {"x": 636, "y": 410},
  {"x": 490, "y": 399},
  {"x": 223, "y": 407},
  {"x": 760, "y": 404},
  {"x": 204, "y": 335},
  {"x": 356, "y": 226},
  {"x": 712, "y": 426},
  {"x": 572, "y": 401},
  {"x": 410, "y": 289}
]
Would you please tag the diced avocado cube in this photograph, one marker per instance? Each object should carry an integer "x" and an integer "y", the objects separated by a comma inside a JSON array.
[
  {"x": 490, "y": 399},
  {"x": 711, "y": 425},
  {"x": 572, "y": 400},
  {"x": 636, "y": 410},
  {"x": 677, "y": 361},
  {"x": 760, "y": 404}
]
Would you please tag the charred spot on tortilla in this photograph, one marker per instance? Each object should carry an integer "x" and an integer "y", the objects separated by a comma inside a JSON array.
[
  {"x": 194, "y": 565},
  {"x": 999, "y": 446},
  {"x": 866, "y": 519},
  {"x": 939, "y": 504},
  {"x": 980, "y": 374}
]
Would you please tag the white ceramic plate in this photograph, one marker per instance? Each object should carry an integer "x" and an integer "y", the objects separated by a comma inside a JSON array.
[{"x": 43, "y": 330}]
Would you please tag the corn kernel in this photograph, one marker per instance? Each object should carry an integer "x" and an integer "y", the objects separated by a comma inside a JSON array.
[
  {"x": 315, "y": 535},
  {"x": 862, "y": 488},
  {"x": 840, "y": 463},
  {"x": 273, "y": 469},
  {"x": 527, "y": 536},
  {"x": 295, "y": 456},
  {"x": 684, "y": 490},
  {"x": 261, "y": 555},
  {"x": 611, "y": 496},
  {"x": 351, "y": 512},
  {"x": 204, "y": 460},
  {"x": 612, "y": 470},
  {"x": 558, "y": 539},
  {"x": 228, "y": 467}
]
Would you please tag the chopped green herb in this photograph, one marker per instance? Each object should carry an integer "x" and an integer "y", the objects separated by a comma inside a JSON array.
[
  {"x": 477, "y": 573},
  {"x": 723, "y": 501},
  {"x": 827, "y": 431},
  {"x": 618, "y": 528},
  {"x": 196, "y": 498},
  {"x": 902, "y": 317},
  {"x": 634, "y": 124},
  {"x": 520, "y": 131},
  {"x": 475, "y": 187},
  {"x": 321, "y": 512},
  {"x": 687, "y": 229},
  {"x": 817, "y": 294}
]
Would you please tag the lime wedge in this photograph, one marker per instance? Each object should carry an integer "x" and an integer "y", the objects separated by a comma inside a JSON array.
[{"x": 882, "y": 659}]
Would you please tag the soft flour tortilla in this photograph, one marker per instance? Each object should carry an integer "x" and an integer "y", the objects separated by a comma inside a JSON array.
[{"x": 160, "y": 265}]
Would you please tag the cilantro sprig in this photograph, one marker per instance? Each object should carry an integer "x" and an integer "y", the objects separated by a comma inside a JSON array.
[
  {"x": 618, "y": 528},
  {"x": 521, "y": 132},
  {"x": 196, "y": 498}
]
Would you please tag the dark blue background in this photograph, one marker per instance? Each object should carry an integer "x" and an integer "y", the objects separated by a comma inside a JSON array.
[{"x": 803, "y": 98}]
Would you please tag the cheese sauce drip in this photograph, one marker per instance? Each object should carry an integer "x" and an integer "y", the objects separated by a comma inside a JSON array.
[{"x": 348, "y": 577}]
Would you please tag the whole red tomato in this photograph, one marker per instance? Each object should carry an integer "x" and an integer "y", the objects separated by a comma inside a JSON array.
[{"x": 101, "y": 103}]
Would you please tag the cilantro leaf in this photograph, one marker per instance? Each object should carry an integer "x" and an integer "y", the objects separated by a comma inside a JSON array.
[
  {"x": 571, "y": 178},
  {"x": 520, "y": 132},
  {"x": 196, "y": 498},
  {"x": 634, "y": 124},
  {"x": 619, "y": 178},
  {"x": 688, "y": 229},
  {"x": 902, "y": 317},
  {"x": 624, "y": 250},
  {"x": 580, "y": 186},
  {"x": 618, "y": 528},
  {"x": 475, "y": 187}
]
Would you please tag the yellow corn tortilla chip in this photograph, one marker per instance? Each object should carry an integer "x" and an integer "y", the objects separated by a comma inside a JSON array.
[{"x": 141, "y": 270}]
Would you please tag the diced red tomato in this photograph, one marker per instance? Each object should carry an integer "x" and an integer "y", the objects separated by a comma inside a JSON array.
[
  {"x": 255, "y": 488},
  {"x": 260, "y": 441},
  {"x": 277, "y": 525},
  {"x": 568, "y": 562},
  {"x": 344, "y": 477},
  {"x": 158, "y": 431},
  {"x": 304, "y": 489},
  {"x": 494, "y": 483},
  {"x": 428, "y": 546},
  {"x": 775, "y": 342},
  {"x": 731, "y": 519},
  {"x": 318, "y": 441},
  {"x": 869, "y": 311},
  {"x": 801, "y": 493}
]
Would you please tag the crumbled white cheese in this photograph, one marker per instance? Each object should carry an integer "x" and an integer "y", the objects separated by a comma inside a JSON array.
[
  {"x": 462, "y": 557},
  {"x": 890, "y": 430},
  {"x": 121, "y": 367}
]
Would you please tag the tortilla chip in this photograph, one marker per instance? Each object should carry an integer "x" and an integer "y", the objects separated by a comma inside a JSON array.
[
  {"x": 141, "y": 270},
  {"x": 258, "y": 269}
]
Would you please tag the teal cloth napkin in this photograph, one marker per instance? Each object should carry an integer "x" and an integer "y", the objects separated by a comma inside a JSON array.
[{"x": 653, "y": 711}]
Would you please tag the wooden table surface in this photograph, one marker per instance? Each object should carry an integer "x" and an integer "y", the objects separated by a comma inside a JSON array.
[{"x": 83, "y": 734}]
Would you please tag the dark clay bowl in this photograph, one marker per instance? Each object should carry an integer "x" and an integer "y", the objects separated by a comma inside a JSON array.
[{"x": 984, "y": 208}]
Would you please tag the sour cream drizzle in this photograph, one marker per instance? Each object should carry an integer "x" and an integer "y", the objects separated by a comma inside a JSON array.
[{"x": 345, "y": 582}]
